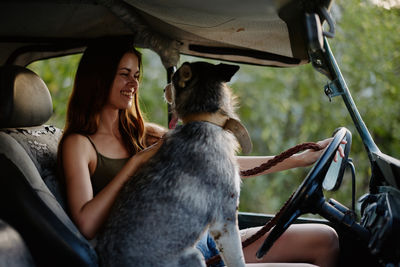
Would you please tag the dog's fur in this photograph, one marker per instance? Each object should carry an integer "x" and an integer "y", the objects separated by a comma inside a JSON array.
[{"x": 190, "y": 185}]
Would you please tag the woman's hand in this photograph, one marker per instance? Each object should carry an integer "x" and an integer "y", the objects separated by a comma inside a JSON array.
[
  {"x": 149, "y": 151},
  {"x": 310, "y": 156},
  {"x": 154, "y": 133}
]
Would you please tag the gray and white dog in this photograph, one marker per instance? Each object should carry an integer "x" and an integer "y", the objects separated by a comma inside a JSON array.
[{"x": 189, "y": 186}]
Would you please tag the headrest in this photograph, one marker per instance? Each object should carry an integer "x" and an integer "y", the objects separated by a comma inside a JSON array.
[{"x": 25, "y": 100}]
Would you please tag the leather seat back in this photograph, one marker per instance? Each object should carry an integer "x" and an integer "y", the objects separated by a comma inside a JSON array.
[{"x": 31, "y": 199}]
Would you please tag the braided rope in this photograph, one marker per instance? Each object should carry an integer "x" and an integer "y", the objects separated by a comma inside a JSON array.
[{"x": 281, "y": 157}]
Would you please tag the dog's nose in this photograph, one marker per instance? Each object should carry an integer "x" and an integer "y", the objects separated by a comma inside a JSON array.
[
  {"x": 167, "y": 87},
  {"x": 168, "y": 94}
]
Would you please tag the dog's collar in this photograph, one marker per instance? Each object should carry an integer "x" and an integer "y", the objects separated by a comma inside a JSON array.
[
  {"x": 227, "y": 123},
  {"x": 214, "y": 118}
]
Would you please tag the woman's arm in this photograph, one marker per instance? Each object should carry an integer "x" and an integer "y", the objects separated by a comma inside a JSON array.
[
  {"x": 88, "y": 212},
  {"x": 302, "y": 159}
]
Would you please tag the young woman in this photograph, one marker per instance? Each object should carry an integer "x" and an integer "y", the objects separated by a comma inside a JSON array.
[{"x": 106, "y": 140}]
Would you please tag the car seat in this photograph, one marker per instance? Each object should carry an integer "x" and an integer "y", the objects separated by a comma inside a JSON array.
[
  {"x": 13, "y": 250},
  {"x": 31, "y": 200}
]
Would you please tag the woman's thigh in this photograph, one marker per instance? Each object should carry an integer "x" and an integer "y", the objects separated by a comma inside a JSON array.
[{"x": 299, "y": 243}]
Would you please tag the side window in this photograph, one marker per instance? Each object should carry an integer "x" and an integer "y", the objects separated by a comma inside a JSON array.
[{"x": 58, "y": 74}]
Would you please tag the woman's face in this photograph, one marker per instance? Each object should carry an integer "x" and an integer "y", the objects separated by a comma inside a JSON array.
[{"x": 126, "y": 82}]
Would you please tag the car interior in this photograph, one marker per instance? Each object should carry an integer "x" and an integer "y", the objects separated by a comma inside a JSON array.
[
  {"x": 32, "y": 201},
  {"x": 35, "y": 228}
]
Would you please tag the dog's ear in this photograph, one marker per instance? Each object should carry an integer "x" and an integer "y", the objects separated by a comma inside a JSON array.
[
  {"x": 185, "y": 74},
  {"x": 226, "y": 71}
]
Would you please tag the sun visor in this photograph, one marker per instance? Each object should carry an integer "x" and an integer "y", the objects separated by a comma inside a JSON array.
[
  {"x": 262, "y": 32},
  {"x": 249, "y": 33}
]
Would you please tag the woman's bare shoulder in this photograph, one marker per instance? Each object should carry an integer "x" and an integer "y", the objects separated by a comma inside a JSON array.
[
  {"x": 77, "y": 144},
  {"x": 154, "y": 132},
  {"x": 75, "y": 139},
  {"x": 154, "y": 127}
]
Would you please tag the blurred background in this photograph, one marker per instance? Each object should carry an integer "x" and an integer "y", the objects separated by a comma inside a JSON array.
[{"x": 283, "y": 107}]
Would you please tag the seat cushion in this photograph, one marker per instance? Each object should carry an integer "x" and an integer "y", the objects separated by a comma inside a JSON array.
[
  {"x": 13, "y": 250},
  {"x": 30, "y": 207},
  {"x": 41, "y": 143}
]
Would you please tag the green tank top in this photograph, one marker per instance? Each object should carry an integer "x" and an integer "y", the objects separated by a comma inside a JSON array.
[{"x": 105, "y": 171}]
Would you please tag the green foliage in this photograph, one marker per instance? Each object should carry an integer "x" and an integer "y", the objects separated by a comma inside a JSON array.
[
  {"x": 151, "y": 89},
  {"x": 284, "y": 107}
]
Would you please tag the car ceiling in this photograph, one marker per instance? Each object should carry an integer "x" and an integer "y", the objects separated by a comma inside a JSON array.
[{"x": 263, "y": 32}]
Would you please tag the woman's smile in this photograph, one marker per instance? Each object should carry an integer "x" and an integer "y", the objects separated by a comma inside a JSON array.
[{"x": 128, "y": 93}]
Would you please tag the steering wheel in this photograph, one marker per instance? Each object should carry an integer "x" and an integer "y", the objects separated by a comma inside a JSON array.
[{"x": 308, "y": 198}]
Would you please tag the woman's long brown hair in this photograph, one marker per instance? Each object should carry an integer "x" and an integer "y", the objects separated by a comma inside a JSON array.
[{"x": 93, "y": 81}]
